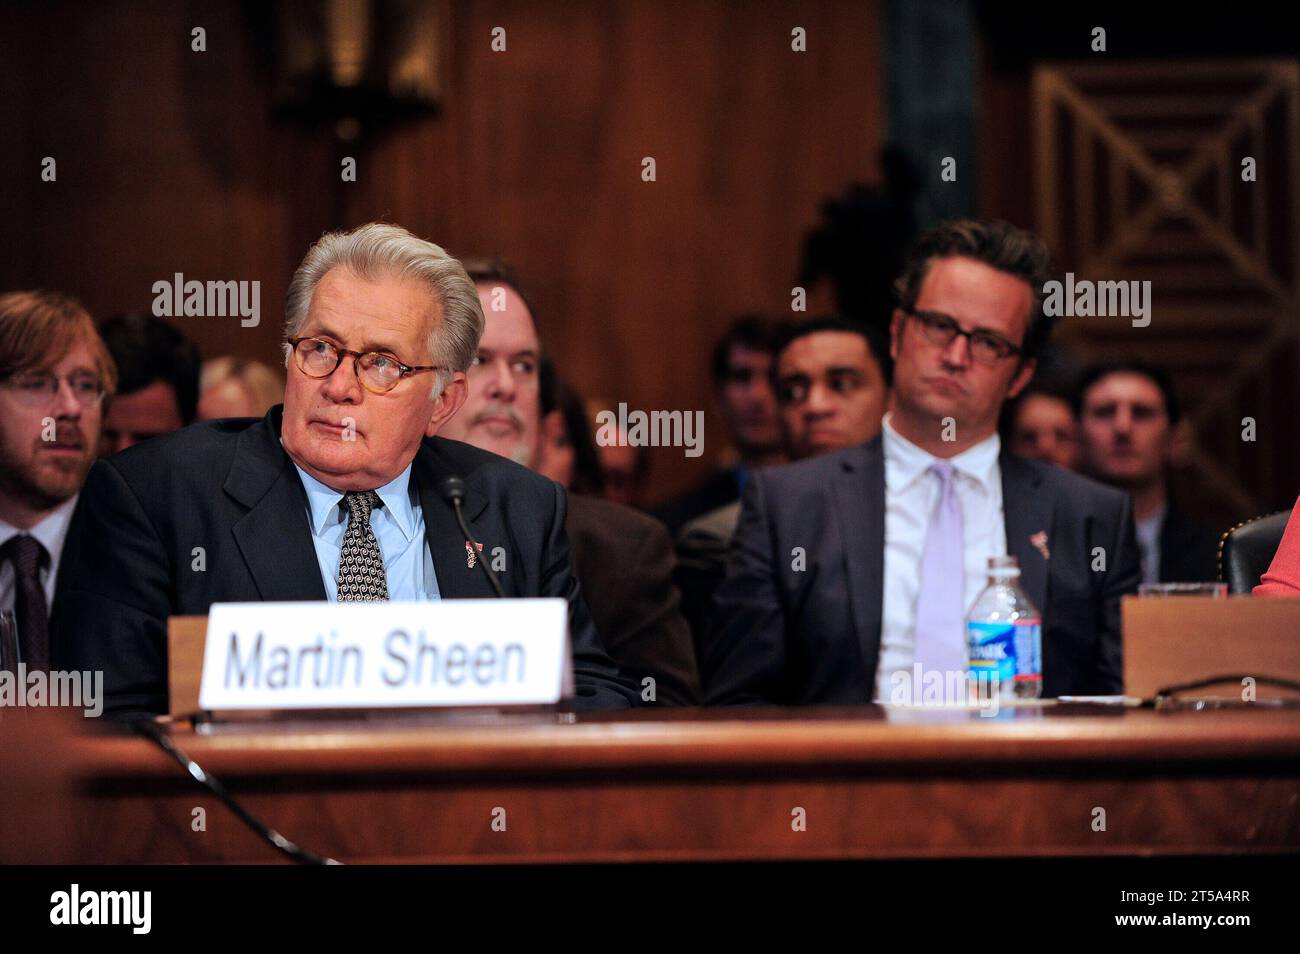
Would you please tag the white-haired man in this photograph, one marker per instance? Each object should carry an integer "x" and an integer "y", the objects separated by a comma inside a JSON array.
[{"x": 305, "y": 502}]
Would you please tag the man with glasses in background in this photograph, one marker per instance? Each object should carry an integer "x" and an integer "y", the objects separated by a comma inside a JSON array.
[
  {"x": 336, "y": 495},
  {"x": 54, "y": 373},
  {"x": 853, "y": 566}
]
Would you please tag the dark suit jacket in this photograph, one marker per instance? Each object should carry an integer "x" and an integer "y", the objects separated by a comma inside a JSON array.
[
  {"x": 812, "y": 636},
  {"x": 702, "y": 546},
  {"x": 1188, "y": 552},
  {"x": 229, "y": 487},
  {"x": 717, "y": 491},
  {"x": 624, "y": 560}
]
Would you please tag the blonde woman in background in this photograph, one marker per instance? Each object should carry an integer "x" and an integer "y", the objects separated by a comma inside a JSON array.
[{"x": 236, "y": 387}]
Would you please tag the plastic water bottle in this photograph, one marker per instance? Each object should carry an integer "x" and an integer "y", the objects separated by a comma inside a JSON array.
[{"x": 1004, "y": 635}]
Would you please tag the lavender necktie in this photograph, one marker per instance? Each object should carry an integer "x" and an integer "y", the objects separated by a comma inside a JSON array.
[{"x": 940, "y": 641}]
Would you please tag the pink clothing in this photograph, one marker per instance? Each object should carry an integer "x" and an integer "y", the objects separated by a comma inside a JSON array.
[{"x": 1283, "y": 576}]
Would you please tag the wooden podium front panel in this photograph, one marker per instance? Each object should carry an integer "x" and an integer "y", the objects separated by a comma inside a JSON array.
[{"x": 709, "y": 785}]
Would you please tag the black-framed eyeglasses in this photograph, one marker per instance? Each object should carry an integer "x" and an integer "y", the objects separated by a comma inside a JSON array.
[
  {"x": 986, "y": 347},
  {"x": 377, "y": 371},
  {"x": 38, "y": 388}
]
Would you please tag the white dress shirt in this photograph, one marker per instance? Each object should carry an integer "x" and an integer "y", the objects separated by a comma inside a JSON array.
[
  {"x": 50, "y": 532},
  {"x": 911, "y": 495}
]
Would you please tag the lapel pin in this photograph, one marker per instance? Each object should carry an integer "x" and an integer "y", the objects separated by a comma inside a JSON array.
[
  {"x": 470, "y": 556},
  {"x": 1039, "y": 540}
]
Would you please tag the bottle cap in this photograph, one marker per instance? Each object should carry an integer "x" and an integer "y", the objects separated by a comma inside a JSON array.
[{"x": 1004, "y": 566}]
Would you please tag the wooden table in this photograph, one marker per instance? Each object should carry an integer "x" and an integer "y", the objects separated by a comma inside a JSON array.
[{"x": 705, "y": 784}]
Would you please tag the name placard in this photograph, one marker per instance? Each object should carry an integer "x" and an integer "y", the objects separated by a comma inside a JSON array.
[{"x": 261, "y": 656}]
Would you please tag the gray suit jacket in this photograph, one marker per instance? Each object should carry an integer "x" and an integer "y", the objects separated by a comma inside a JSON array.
[{"x": 812, "y": 636}]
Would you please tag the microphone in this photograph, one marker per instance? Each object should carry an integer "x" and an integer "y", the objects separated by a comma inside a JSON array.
[{"x": 453, "y": 491}]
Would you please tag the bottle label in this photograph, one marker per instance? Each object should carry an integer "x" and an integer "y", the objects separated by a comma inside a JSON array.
[{"x": 1010, "y": 650}]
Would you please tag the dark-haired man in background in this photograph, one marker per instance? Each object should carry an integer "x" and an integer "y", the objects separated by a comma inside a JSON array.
[
  {"x": 158, "y": 381},
  {"x": 1041, "y": 424},
  {"x": 832, "y": 385},
  {"x": 741, "y": 371},
  {"x": 1130, "y": 421},
  {"x": 831, "y": 379},
  {"x": 854, "y": 566}
]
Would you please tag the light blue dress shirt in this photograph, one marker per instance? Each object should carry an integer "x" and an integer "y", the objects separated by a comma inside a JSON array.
[{"x": 398, "y": 526}]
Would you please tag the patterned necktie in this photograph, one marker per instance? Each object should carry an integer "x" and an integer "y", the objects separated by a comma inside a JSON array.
[
  {"x": 940, "y": 643},
  {"x": 30, "y": 612},
  {"x": 361, "y": 562}
]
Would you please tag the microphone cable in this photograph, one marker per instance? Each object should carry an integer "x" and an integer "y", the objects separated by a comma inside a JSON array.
[{"x": 150, "y": 730}]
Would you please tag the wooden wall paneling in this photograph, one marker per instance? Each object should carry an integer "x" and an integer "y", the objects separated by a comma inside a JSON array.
[{"x": 1220, "y": 252}]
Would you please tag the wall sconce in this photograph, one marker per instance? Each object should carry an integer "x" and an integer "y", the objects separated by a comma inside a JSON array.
[{"x": 357, "y": 66}]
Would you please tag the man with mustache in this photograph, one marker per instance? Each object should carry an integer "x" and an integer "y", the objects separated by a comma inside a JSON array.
[
  {"x": 853, "y": 566},
  {"x": 502, "y": 412},
  {"x": 334, "y": 495},
  {"x": 54, "y": 374},
  {"x": 623, "y": 558}
]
